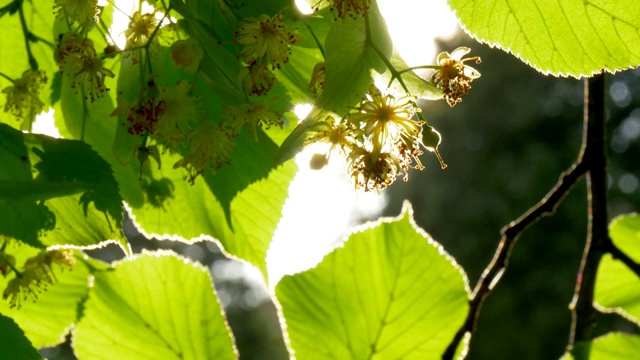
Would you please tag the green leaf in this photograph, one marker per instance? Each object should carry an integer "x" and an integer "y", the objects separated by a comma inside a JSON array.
[
  {"x": 391, "y": 292},
  {"x": 73, "y": 200},
  {"x": 570, "y": 37},
  {"x": 155, "y": 306},
  {"x": 305, "y": 54},
  {"x": 92, "y": 123},
  {"x": 353, "y": 49},
  {"x": 189, "y": 212},
  {"x": 617, "y": 287},
  {"x": 13, "y": 344},
  {"x": 22, "y": 218},
  {"x": 252, "y": 161},
  {"x": 41, "y": 325},
  {"x": 613, "y": 346},
  {"x": 14, "y": 60}
]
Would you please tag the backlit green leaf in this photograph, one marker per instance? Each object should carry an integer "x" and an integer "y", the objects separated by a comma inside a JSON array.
[
  {"x": 41, "y": 325},
  {"x": 13, "y": 344},
  {"x": 617, "y": 287},
  {"x": 73, "y": 199},
  {"x": 569, "y": 37},
  {"x": 390, "y": 292},
  {"x": 156, "y": 306},
  {"x": 187, "y": 212},
  {"x": 613, "y": 346}
]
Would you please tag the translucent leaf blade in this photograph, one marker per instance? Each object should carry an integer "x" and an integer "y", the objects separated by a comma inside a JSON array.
[
  {"x": 617, "y": 287},
  {"x": 156, "y": 306},
  {"x": 390, "y": 292},
  {"x": 561, "y": 38},
  {"x": 13, "y": 343},
  {"x": 613, "y": 346},
  {"x": 41, "y": 325}
]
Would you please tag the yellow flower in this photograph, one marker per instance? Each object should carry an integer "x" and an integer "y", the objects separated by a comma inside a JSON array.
[
  {"x": 454, "y": 77},
  {"x": 351, "y": 8},
  {"x": 140, "y": 29},
  {"x": 209, "y": 149},
  {"x": 91, "y": 75},
  {"x": 252, "y": 116},
  {"x": 78, "y": 58},
  {"x": 62, "y": 257},
  {"x": 36, "y": 275},
  {"x": 340, "y": 137},
  {"x": 23, "y": 97},
  {"x": 385, "y": 120},
  {"x": 85, "y": 12},
  {"x": 178, "y": 109},
  {"x": 266, "y": 40},
  {"x": 256, "y": 79},
  {"x": 369, "y": 171},
  {"x": 141, "y": 118}
]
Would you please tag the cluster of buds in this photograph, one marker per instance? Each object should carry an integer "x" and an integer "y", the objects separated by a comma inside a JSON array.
[
  {"x": 36, "y": 275},
  {"x": 78, "y": 59},
  {"x": 347, "y": 8},
  {"x": 23, "y": 97},
  {"x": 266, "y": 43}
]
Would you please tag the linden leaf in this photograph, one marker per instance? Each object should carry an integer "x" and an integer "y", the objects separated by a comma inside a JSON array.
[
  {"x": 617, "y": 287},
  {"x": 613, "y": 346},
  {"x": 13, "y": 343},
  {"x": 155, "y": 306},
  {"x": 42, "y": 326},
  {"x": 390, "y": 292},
  {"x": 561, "y": 38}
]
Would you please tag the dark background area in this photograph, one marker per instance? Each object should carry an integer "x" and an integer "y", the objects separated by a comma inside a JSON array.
[{"x": 506, "y": 145}]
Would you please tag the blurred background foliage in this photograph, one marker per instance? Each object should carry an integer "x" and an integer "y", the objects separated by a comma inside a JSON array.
[{"x": 506, "y": 145}]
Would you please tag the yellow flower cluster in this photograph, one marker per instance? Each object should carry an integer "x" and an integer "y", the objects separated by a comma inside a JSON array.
[
  {"x": 140, "y": 29},
  {"x": 78, "y": 59},
  {"x": 23, "y": 97},
  {"x": 85, "y": 12},
  {"x": 350, "y": 8},
  {"x": 266, "y": 42},
  {"x": 380, "y": 140},
  {"x": 36, "y": 275}
]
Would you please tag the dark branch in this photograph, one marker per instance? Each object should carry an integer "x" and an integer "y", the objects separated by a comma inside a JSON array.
[
  {"x": 598, "y": 241},
  {"x": 510, "y": 234},
  {"x": 618, "y": 254}
]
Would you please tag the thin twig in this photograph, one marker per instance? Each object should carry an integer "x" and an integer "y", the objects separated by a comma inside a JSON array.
[
  {"x": 591, "y": 157},
  {"x": 598, "y": 241},
  {"x": 510, "y": 233},
  {"x": 618, "y": 254}
]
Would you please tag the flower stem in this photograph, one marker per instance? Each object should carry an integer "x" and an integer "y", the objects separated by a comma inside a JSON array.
[
  {"x": 6, "y": 77},
  {"x": 2, "y": 258},
  {"x": 33, "y": 64}
]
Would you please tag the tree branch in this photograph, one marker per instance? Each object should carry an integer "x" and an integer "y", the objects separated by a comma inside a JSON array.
[
  {"x": 510, "y": 234},
  {"x": 618, "y": 254},
  {"x": 598, "y": 241}
]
